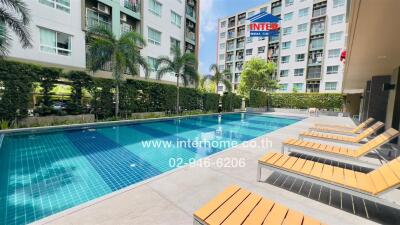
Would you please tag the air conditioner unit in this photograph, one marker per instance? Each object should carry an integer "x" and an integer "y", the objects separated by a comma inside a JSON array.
[
  {"x": 103, "y": 8},
  {"x": 124, "y": 17}
]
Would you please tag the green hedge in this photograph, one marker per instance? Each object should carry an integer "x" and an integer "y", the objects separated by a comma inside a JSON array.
[
  {"x": 258, "y": 99},
  {"x": 296, "y": 100},
  {"x": 306, "y": 100},
  {"x": 18, "y": 79}
]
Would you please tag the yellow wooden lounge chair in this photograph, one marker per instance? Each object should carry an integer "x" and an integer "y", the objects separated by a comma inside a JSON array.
[
  {"x": 371, "y": 186},
  {"x": 341, "y": 138},
  {"x": 238, "y": 206},
  {"x": 348, "y": 155},
  {"x": 342, "y": 129}
]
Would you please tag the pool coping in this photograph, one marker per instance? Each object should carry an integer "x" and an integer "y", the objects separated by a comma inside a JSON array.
[{"x": 66, "y": 212}]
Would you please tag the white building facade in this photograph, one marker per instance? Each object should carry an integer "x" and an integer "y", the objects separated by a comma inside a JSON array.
[
  {"x": 307, "y": 51},
  {"x": 58, "y": 30}
]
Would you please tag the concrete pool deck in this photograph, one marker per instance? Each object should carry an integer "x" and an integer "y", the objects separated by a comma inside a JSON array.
[{"x": 171, "y": 198}]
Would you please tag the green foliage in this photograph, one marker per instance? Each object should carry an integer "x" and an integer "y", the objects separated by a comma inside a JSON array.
[
  {"x": 296, "y": 100},
  {"x": 16, "y": 85},
  {"x": 79, "y": 81},
  {"x": 257, "y": 75},
  {"x": 230, "y": 102},
  {"x": 47, "y": 78},
  {"x": 102, "y": 98},
  {"x": 306, "y": 100},
  {"x": 258, "y": 99},
  {"x": 210, "y": 102}
]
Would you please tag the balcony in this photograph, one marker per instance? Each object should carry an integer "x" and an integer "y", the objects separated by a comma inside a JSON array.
[
  {"x": 314, "y": 72},
  {"x": 317, "y": 44},
  {"x": 126, "y": 28},
  {"x": 191, "y": 13},
  {"x": 229, "y": 59},
  {"x": 239, "y": 58},
  {"x": 131, "y": 5},
  {"x": 191, "y": 36},
  {"x": 276, "y": 10},
  {"x": 274, "y": 39},
  {"x": 93, "y": 19},
  {"x": 231, "y": 35},
  {"x": 241, "y": 33},
  {"x": 240, "y": 45},
  {"x": 319, "y": 12}
]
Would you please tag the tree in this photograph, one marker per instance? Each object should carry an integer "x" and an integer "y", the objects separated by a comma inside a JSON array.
[
  {"x": 219, "y": 77},
  {"x": 123, "y": 53},
  {"x": 257, "y": 75},
  {"x": 14, "y": 15},
  {"x": 183, "y": 66}
]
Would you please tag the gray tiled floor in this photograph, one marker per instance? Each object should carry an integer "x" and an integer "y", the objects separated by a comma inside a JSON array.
[{"x": 173, "y": 197}]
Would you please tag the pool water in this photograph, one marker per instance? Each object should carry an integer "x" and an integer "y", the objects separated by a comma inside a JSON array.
[{"x": 45, "y": 173}]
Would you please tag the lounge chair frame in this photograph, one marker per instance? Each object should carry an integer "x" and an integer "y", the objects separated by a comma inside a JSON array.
[{"x": 327, "y": 184}]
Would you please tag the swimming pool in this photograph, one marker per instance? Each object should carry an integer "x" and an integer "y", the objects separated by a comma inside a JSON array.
[{"x": 43, "y": 173}]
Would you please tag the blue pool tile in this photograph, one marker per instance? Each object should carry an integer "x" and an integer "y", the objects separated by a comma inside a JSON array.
[{"x": 116, "y": 165}]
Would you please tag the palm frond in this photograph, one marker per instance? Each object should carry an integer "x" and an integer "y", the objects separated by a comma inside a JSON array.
[
  {"x": 19, "y": 7},
  {"x": 214, "y": 68},
  {"x": 134, "y": 37},
  {"x": 100, "y": 52},
  {"x": 164, "y": 70},
  {"x": 227, "y": 84},
  {"x": 17, "y": 25},
  {"x": 4, "y": 41},
  {"x": 100, "y": 32}
]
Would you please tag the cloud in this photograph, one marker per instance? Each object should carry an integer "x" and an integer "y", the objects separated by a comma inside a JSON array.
[{"x": 208, "y": 19}]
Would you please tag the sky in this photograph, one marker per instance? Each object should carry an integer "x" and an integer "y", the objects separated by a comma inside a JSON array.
[{"x": 210, "y": 11}]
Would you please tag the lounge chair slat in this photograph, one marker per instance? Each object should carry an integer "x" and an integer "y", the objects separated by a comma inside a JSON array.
[
  {"x": 317, "y": 170},
  {"x": 290, "y": 162},
  {"x": 299, "y": 164},
  {"x": 395, "y": 167},
  {"x": 259, "y": 213},
  {"x": 293, "y": 218},
  {"x": 327, "y": 172},
  {"x": 277, "y": 215},
  {"x": 282, "y": 160},
  {"x": 214, "y": 204},
  {"x": 219, "y": 215},
  {"x": 308, "y": 166},
  {"x": 267, "y": 156},
  {"x": 350, "y": 179},
  {"x": 378, "y": 180},
  {"x": 338, "y": 175},
  {"x": 365, "y": 183},
  {"x": 243, "y": 210},
  {"x": 310, "y": 221}
]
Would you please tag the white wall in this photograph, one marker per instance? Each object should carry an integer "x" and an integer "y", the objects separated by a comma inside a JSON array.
[
  {"x": 57, "y": 20},
  {"x": 163, "y": 24}
]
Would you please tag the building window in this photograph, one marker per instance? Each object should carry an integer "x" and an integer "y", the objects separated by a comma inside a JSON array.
[
  {"x": 330, "y": 86},
  {"x": 221, "y": 67},
  {"x": 175, "y": 44},
  {"x": 298, "y": 86},
  {"x": 301, "y": 42},
  {"x": 286, "y": 45},
  {"x": 287, "y": 30},
  {"x": 176, "y": 19},
  {"x": 302, "y": 27},
  {"x": 284, "y": 73},
  {"x": 222, "y": 46},
  {"x": 338, "y": 3},
  {"x": 285, "y": 59},
  {"x": 55, "y": 42},
  {"x": 152, "y": 63},
  {"x": 283, "y": 87},
  {"x": 222, "y": 35},
  {"x": 300, "y": 57},
  {"x": 261, "y": 50},
  {"x": 263, "y": 9},
  {"x": 249, "y": 51},
  {"x": 299, "y": 72},
  {"x": 63, "y": 5},
  {"x": 332, "y": 69},
  {"x": 249, "y": 39},
  {"x": 337, "y": 36},
  {"x": 154, "y": 36},
  {"x": 223, "y": 24},
  {"x": 337, "y": 19},
  {"x": 288, "y": 16},
  {"x": 155, "y": 7},
  {"x": 261, "y": 38},
  {"x": 334, "y": 53},
  {"x": 303, "y": 12},
  {"x": 289, "y": 2},
  {"x": 250, "y": 14},
  {"x": 221, "y": 56}
]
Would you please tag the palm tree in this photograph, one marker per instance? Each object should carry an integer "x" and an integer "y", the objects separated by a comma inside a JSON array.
[
  {"x": 219, "y": 77},
  {"x": 14, "y": 15},
  {"x": 122, "y": 52},
  {"x": 183, "y": 66}
]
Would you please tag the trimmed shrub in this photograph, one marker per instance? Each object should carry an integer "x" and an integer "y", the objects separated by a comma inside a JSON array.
[
  {"x": 210, "y": 102},
  {"x": 306, "y": 100},
  {"x": 258, "y": 99},
  {"x": 230, "y": 102}
]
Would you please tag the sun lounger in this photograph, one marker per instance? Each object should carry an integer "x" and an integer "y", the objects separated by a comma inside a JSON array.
[
  {"x": 236, "y": 205},
  {"x": 341, "y": 138},
  {"x": 342, "y": 129},
  {"x": 371, "y": 186},
  {"x": 348, "y": 155}
]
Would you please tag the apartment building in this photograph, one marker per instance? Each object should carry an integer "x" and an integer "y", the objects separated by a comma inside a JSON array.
[
  {"x": 59, "y": 29},
  {"x": 307, "y": 50}
]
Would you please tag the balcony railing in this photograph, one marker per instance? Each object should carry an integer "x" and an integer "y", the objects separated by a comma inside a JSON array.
[
  {"x": 317, "y": 30},
  {"x": 191, "y": 35},
  {"x": 230, "y": 47},
  {"x": 126, "y": 28},
  {"x": 276, "y": 10},
  {"x": 273, "y": 39},
  {"x": 239, "y": 57},
  {"x": 191, "y": 12},
  {"x": 241, "y": 21},
  {"x": 319, "y": 12},
  {"x": 240, "y": 45},
  {"x": 231, "y": 35},
  {"x": 241, "y": 33},
  {"x": 96, "y": 22},
  {"x": 133, "y": 5}
]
